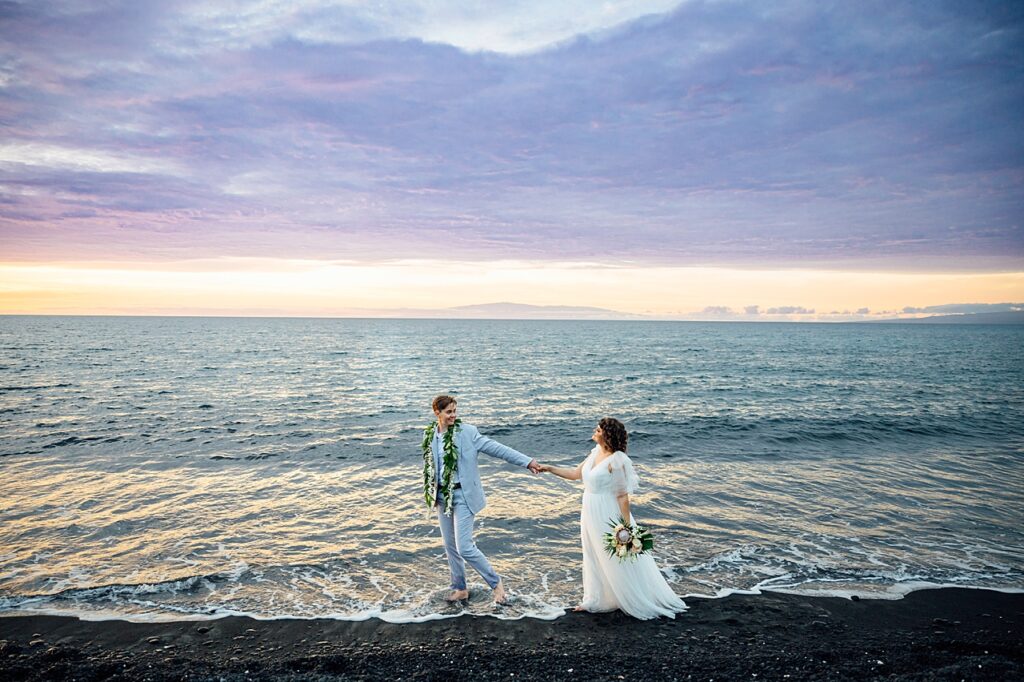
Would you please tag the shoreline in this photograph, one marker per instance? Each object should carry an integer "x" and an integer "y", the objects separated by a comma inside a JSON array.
[{"x": 936, "y": 634}]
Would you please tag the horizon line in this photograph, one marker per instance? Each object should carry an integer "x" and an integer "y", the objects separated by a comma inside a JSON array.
[{"x": 947, "y": 318}]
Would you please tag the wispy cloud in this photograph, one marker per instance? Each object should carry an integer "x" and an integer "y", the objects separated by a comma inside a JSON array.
[
  {"x": 847, "y": 134},
  {"x": 790, "y": 310},
  {"x": 33, "y": 154}
]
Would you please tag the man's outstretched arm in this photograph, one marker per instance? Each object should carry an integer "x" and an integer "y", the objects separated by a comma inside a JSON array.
[{"x": 496, "y": 449}]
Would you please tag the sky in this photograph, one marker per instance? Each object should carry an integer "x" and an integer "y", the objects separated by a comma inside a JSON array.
[{"x": 703, "y": 159}]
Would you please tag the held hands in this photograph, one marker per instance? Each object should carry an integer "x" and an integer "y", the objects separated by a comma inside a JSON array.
[
  {"x": 562, "y": 472},
  {"x": 538, "y": 468}
]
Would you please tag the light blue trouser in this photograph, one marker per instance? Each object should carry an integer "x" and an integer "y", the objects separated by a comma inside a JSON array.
[{"x": 457, "y": 531}]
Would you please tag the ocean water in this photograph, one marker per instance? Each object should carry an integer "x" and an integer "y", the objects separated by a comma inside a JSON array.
[{"x": 180, "y": 468}]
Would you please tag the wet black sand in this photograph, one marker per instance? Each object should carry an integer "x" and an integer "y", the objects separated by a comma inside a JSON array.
[{"x": 947, "y": 634}]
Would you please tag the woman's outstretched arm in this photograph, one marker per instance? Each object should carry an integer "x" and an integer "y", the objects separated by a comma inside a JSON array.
[{"x": 569, "y": 474}]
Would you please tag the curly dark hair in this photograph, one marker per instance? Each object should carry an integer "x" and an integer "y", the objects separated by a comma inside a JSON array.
[{"x": 614, "y": 433}]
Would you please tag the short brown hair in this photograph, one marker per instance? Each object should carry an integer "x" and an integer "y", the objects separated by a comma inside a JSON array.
[{"x": 442, "y": 401}]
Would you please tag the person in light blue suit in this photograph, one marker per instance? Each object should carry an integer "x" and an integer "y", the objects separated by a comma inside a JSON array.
[{"x": 451, "y": 485}]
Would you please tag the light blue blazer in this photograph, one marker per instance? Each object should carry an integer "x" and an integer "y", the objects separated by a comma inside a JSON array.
[{"x": 470, "y": 444}]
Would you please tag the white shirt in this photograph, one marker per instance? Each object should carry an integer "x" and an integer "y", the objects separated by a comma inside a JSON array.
[{"x": 438, "y": 450}]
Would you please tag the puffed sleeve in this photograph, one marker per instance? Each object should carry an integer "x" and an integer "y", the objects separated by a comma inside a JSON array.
[{"x": 624, "y": 479}]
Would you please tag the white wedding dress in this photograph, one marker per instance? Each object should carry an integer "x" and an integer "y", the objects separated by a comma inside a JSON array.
[{"x": 636, "y": 587}]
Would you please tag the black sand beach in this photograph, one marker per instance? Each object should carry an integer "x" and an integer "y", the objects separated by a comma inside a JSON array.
[{"x": 947, "y": 634}]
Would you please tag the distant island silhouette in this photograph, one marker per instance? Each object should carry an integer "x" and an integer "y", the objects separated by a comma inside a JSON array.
[{"x": 1003, "y": 317}]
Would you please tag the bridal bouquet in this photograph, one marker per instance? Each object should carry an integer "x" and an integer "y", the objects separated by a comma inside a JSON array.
[{"x": 627, "y": 541}]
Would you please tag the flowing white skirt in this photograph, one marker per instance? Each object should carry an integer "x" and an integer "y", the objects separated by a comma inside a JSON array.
[{"x": 636, "y": 587}]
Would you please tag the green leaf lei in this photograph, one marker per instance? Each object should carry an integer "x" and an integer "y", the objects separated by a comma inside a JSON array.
[{"x": 450, "y": 462}]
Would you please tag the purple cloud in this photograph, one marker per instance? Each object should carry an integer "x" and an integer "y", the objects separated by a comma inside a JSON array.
[{"x": 720, "y": 133}]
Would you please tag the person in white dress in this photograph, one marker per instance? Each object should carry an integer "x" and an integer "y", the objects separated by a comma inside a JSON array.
[{"x": 636, "y": 587}]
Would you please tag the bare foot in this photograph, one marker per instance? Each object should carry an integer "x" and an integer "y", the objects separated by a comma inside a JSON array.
[
  {"x": 499, "y": 593},
  {"x": 457, "y": 595},
  {"x": 579, "y": 608}
]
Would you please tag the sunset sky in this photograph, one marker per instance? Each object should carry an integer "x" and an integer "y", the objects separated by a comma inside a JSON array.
[{"x": 716, "y": 159}]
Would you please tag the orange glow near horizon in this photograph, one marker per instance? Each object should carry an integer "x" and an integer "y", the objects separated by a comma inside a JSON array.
[{"x": 315, "y": 288}]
